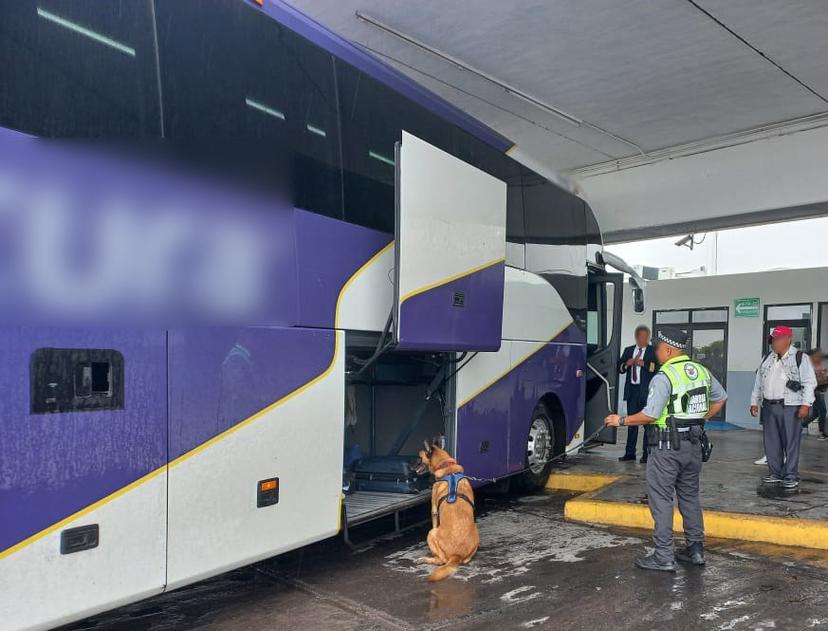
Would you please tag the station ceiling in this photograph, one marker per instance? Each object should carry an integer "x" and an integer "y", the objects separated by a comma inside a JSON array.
[{"x": 594, "y": 88}]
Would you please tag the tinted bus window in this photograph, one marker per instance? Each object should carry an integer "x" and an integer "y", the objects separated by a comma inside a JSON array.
[
  {"x": 551, "y": 214},
  {"x": 233, "y": 76},
  {"x": 593, "y": 231},
  {"x": 78, "y": 69},
  {"x": 373, "y": 117}
]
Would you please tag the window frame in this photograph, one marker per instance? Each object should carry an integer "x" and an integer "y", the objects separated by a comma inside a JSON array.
[
  {"x": 807, "y": 324},
  {"x": 820, "y": 306}
]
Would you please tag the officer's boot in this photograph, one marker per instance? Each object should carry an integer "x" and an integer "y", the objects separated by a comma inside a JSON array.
[
  {"x": 650, "y": 562},
  {"x": 693, "y": 553}
]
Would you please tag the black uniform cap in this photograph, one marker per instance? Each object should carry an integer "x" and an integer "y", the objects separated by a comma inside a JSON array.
[{"x": 674, "y": 337}]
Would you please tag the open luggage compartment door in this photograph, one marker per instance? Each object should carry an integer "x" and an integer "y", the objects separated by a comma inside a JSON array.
[{"x": 450, "y": 252}]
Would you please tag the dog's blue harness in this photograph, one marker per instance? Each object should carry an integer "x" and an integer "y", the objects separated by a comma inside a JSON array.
[{"x": 453, "y": 481}]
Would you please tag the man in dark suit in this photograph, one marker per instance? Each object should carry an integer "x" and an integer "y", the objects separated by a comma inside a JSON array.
[{"x": 639, "y": 363}]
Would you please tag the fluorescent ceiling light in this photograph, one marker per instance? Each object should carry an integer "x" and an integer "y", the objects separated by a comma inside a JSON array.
[
  {"x": 81, "y": 30},
  {"x": 381, "y": 158},
  {"x": 316, "y": 130},
  {"x": 264, "y": 108}
]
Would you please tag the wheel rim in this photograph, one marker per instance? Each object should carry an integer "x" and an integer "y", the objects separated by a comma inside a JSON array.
[{"x": 539, "y": 446}]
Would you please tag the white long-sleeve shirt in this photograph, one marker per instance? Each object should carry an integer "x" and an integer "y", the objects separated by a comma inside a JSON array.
[{"x": 767, "y": 380}]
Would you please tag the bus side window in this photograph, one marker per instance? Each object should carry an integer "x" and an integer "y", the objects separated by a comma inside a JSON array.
[
  {"x": 593, "y": 337},
  {"x": 75, "y": 380},
  {"x": 609, "y": 310},
  {"x": 78, "y": 69},
  {"x": 372, "y": 117},
  {"x": 261, "y": 96},
  {"x": 600, "y": 315},
  {"x": 596, "y": 325}
]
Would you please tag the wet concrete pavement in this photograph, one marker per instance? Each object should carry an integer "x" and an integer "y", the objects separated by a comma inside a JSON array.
[
  {"x": 533, "y": 570},
  {"x": 730, "y": 481}
]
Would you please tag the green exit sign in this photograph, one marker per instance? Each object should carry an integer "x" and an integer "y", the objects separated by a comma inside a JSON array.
[{"x": 746, "y": 307}]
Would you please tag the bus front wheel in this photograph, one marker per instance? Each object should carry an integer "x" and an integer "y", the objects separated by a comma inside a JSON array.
[{"x": 540, "y": 448}]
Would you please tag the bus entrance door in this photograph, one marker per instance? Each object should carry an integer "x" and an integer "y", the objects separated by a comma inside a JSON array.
[{"x": 603, "y": 344}]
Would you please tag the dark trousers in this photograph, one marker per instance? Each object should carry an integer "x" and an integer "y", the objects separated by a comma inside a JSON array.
[
  {"x": 636, "y": 401},
  {"x": 782, "y": 431},
  {"x": 675, "y": 473},
  {"x": 820, "y": 413}
]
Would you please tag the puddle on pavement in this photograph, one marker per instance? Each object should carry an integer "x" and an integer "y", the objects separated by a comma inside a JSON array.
[
  {"x": 779, "y": 493},
  {"x": 512, "y": 540}
]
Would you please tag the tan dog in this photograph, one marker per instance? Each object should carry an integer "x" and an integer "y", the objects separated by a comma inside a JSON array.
[{"x": 453, "y": 538}]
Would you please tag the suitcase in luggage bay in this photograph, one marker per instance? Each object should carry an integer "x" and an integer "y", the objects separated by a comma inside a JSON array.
[{"x": 388, "y": 474}]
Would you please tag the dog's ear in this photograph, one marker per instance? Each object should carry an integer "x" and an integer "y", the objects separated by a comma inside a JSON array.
[
  {"x": 427, "y": 447},
  {"x": 437, "y": 441}
]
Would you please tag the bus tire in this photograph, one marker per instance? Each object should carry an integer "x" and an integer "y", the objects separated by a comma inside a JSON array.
[{"x": 540, "y": 448}]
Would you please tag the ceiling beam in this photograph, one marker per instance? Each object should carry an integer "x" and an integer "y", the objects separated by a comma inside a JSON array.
[{"x": 776, "y": 178}]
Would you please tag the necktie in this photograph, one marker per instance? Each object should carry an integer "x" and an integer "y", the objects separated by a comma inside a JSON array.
[{"x": 636, "y": 367}]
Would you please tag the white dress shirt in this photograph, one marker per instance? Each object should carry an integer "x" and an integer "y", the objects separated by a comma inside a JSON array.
[
  {"x": 773, "y": 384},
  {"x": 636, "y": 370}
]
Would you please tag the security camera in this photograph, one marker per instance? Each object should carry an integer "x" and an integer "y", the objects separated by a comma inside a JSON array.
[{"x": 686, "y": 241}]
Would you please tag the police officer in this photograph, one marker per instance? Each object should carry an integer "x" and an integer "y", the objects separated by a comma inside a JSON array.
[{"x": 682, "y": 395}]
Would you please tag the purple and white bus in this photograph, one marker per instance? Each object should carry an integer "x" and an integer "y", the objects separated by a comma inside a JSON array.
[{"x": 419, "y": 280}]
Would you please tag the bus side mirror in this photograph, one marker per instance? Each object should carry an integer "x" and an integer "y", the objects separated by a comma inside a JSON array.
[
  {"x": 638, "y": 300},
  {"x": 638, "y": 296}
]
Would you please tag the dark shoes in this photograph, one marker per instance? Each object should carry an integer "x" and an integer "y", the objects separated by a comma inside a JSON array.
[
  {"x": 626, "y": 458},
  {"x": 650, "y": 563},
  {"x": 693, "y": 554},
  {"x": 643, "y": 460}
]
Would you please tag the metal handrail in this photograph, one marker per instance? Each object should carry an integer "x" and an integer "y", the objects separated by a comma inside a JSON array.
[{"x": 610, "y": 388}]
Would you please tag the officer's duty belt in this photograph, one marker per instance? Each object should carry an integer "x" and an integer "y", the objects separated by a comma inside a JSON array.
[{"x": 684, "y": 426}]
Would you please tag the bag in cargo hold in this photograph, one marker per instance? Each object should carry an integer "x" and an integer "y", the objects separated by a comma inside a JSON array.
[{"x": 388, "y": 474}]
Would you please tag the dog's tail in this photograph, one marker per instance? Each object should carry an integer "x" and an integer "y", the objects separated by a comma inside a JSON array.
[{"x": 444, "y": 571}]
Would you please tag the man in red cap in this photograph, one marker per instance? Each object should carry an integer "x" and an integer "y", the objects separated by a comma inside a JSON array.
[{"x": 783, "y": 393}]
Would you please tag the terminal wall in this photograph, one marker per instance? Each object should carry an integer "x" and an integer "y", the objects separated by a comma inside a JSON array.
[{"x": 745, "y": 335}]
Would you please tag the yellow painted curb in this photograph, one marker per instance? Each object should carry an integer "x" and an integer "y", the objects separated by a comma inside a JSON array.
[
  {"x": 802, "y": 533},
  {"x": 579, "y": 482},
  {"x": 783, "y": 531}
]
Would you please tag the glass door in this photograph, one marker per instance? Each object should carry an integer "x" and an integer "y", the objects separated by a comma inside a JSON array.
[
  {"x": 707, "y": 330},
  {"x": 709, "y": 347}
]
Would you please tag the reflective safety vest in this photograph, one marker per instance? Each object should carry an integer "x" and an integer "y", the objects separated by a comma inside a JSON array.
[{"x": 690, "y": 396}]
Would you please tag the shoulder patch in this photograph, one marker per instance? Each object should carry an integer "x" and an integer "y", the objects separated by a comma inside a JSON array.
[{"x": 691, "y": 371}]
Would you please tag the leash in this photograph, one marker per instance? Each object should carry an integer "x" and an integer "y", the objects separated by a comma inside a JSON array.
[{"x": 546, "y": 462}]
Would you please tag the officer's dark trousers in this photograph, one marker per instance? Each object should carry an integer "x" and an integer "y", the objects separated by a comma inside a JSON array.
[
  {"x": 782, "y": 431},
  {"x": 675, "y": 474}
]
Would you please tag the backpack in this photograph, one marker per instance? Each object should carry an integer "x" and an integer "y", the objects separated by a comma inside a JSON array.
[{"x": 799, "y": 355}]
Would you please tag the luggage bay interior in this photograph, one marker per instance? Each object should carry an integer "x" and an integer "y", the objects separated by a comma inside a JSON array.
[{"x": 387, "y": 417}]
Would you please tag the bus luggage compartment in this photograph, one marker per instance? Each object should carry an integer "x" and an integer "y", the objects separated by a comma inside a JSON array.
[{"x": 390, "y": 407}]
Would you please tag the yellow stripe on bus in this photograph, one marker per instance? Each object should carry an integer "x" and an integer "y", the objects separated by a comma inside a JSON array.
[
  {"x": 164, "y": 468},
  {"x": 489, "y": 384},
  {"x": 450, "y": 279}
]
